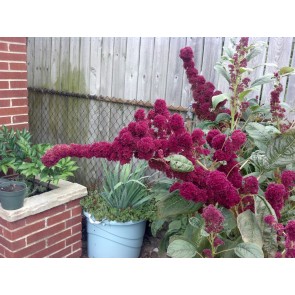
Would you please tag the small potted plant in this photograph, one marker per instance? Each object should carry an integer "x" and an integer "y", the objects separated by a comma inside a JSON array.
[{"x": 117, "y": 214}]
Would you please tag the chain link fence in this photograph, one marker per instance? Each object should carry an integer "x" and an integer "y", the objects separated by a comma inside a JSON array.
[{"x": 61, "y": 118}]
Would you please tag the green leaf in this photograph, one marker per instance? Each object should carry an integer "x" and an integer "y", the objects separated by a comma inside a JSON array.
[
  {"x": 229, "y": 219},
  {"x": 218, "y": 99},
  {"x": 269, "y": 235},
  {"x": 222, "y": 71},
  {"x": 281, "y": 151},
  {"x": 259, "y": 159},
  {"x": 249, "y": 229},
  {"x": 286, "y": 70},
  {"x": 156, "y": 225},
  {"x": 180, "y": 163},
  {"x": 261, "y": 134},
  {"x": 175, "y": 225},
  {"x": 176, "y": 205},
  {"x": 248, "y": 250},
  {"x": 222, "y": 117},
  {"x": 196, "y": 221},
  {"x": 263, "y": 80},
  {"x": 243, "y": 70},
  {"x": 181, "y": 249}
]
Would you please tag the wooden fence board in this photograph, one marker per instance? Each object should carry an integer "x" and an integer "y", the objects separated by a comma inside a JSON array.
[
  {"x": 131, "y": 73},
  {"x": 175, "y": 72},
  {"x": 95, "y": 65},
  {"x": 64, "y": 63},
  {"x": 279, "y": 53},
  {"x": 31, "y": 60},
  {"x": 159, "y": 71},
  {"x": 55, "y": 63},
  {"x": 74, "y": 64}
]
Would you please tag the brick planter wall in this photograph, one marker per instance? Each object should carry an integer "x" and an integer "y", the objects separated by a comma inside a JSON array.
[
  {"x": 13, "y": 82},
  {"x": 49, "y": 225}
]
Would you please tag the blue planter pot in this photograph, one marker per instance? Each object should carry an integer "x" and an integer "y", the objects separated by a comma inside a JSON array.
[{"x": 111, "y": 239}]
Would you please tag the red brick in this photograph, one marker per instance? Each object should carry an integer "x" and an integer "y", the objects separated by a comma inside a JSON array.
[
  {"x": 5, "y": 120},
  {"x": 14, "y": 39},
  {"x": 73, "y": 239},
  {"x": 20, "y": 119},
  {"x": 13, "y": 111},
  {"x": 18, "y": 126},
  {"x": 28, "y": 251},
  {"x": 4, "y": 103},
  {"x": 17, "y": 48},
  {"x": 77, "y": 245},
  {"x": 4, "y": 85},
  {"x": 76, "y": 211},
  {"x": 12, "y": 225},
  {"x": 61, "y": 254},
  {"x": 3, "y": 65},
  {"x": 61, "y": 236},
  {"x": 13, "y": 235},
  {"x": 13, "y": 75},
  {"x": 45, "y": 214},
  {"x": 73, "y": 221},
  {"x": 18, "y": 66},
  {"x": 13, "y": 93},
  {"x": 19, "y": 84},
  {"x": 3, "y": 46},
  {"x": 73, "y": 203},
  {"x": 47, "y": 232},
  {"x": 12, "y": 245},
  {"x": 76, "y": 228},
  {"x": 48, "y": 250},
  {"x": 19, "y": 102},
  {"x": 76, "y": 254},
  {"x": 13, "y": 56},
  {"x": 58, "y": 218},
  {"x": 1, "y": 250}
]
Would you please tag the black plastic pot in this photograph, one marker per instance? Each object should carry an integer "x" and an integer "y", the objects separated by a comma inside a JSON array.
[{"x": 12, "y": 200}]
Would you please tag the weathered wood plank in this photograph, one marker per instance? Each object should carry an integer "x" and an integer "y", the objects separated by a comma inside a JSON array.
[
  {"x": 95, "y": 65},
  {"x": 159, "y": 71},
  {"x": 84, "y": 72},
  {"x": 279, "y": 53},
  {"x": 212, "y": 53},
  {"x": 64, "y": 63},
  {"x": 55, "y": 64},
  {"x": 196, "y": 44},
  {"x": 74, "y": 64},
  {"x": 38, "y": 62},
  {"x": 175, "y": 72},
  {"x": 290, "y": 92},
  {"x": 119, "y": 66},
  {"x": 106, "y": 66},
  {"x": 131, "y": 73},
  {"x": 145, "y": 69},
  {"x": 31, "y": 61}
]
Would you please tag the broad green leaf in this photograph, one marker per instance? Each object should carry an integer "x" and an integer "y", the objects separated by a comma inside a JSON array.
[
  {"x": 248, "y": 250},
  {"x": 176, "y": 205},
  {"x": 229, "y": 219},
  {"x": 196, "y": 221},
  {"x": 245, "y": 92},
  {"x": 249, "y": 229},
  {"x": 180, "y": 163},
  {"x": 263, "y": 80},
  {"x": 175, "y": 225},
  {"x": 286, "y": 70},
  {"x": 281, "y": 150},
  {"x": 269, "y": 235},
  {"x": 222, "y": 71},
  {"x": 218, "y": 99},
  {"x": 243, "y": 70},
  {"x": 261, "y": 134},
  {"x": 259, "y": 159},
  {"x": 222, "y": 117},
  {"x": 181, "y": 249}
]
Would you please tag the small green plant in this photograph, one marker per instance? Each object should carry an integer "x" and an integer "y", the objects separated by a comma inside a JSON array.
[
  {"x": 18, "y": 154},
  {"x": 124, "y": 196}
]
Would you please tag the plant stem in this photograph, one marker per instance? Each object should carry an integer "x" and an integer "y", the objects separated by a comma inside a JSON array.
[
  {"x": 224, "y": 251},
  {"x": 202, "y": 165}
]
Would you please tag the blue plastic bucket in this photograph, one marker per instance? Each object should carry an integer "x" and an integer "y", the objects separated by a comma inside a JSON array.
[{"x": 111, "y": 239}]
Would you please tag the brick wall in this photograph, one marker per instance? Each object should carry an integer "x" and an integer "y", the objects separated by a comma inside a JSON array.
[
  {"x": 56, "y": 233},
  {"x": 13, "y": 82}
]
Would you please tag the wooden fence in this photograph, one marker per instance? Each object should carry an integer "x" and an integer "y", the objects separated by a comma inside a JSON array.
[
  {"x": 142, "y": 68},
  {"x": 128, "y": 68}
]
